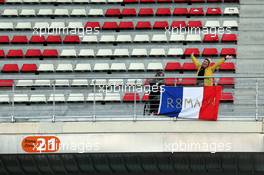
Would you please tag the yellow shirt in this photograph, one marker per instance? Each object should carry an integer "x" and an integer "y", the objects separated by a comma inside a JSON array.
[{"x": 209, "y": 71}]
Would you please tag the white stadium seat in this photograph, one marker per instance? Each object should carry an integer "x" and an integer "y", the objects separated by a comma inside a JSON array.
[
  {"x": 121, "y": 52},
  {"x": 112, "y": 97},
  {"x": 23, "y": 26},
  {"x": 134, "y": 82},
  {"x": 231, "y": 11},
  {"x": 57, "y": 25},
  {"x": 75, "y": 97},
  {"x": 141, "y": 38},
  {"x": 175, "y": 52},
  {"x": 10, "y": 12},
  {"x": 46, "y": 68},
  {"x": 83, "y": 67},
  {"x": 159, "y": 38},
  {"x": 115, "y": 82},
  {"x": 45, "y": 12},
  {"x": 101, "y": 67},
  {"x": 154, "y": 66},
  {"x": 75, "y": 25},
  {"x": 78, "y": 12},
  {"x": 24, "y": 83},
  {"x": 34, "y": 98},
  {"x": 86, "y": 53},
  {"x": 62, "y": 83},
  {"x": 6, "y": 26},
  {"x": 14, "y": 1},
  {"x": 31, "y": 1},
  {"x": 64, "y": 68},
  {"x": 27, "y": 12},
  {"x": 104, "y": 52},
  {"x": 118, "y": 67},
  {"x": 230, "y": 23},
  {"x": 95, "y": 12},
  {"x": 124, "y": 38},
  {"x": 212, "y": 24},
  {"x": 68, "y": 53},
  {"x": 193, "y": 38},
  {"x": 98, "y": 1},
  {"x": 21, "y": 98},
  {"x": 107, "y": 38},
  {"x": 177, "y": 38},
  {"x": 79, "y": 82},
  {"x": 139, "y": 52},
  {"x": 56, "y": 98},
  {"x": 90, "y": 39},
  {"x": 136, "y": 67},
  {"x": 42, "y": 83},
  {"x": 61, "y": 12},
  {"x": 95, "y": 97},
  {"x": 157, "y": 52},
  {"x": 41, "y": 25},
  {"x": 4, "y": 98},
  {"x": 98, "y": 82},
  {"x": 64, "y": 1}
]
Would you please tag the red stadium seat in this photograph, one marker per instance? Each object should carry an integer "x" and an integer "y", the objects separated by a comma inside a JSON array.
[
  {"x": 131, "y": 97},
  {"x": 147, "y": 1},
  {"x": 110, "y": 26},
  {"x": 37, "y": 39},
  {"x": 143, "y": 25},
  {"x": 210, "y": 38},
  {"x": 6, "y": 83},
  {"x": 196, "y": 12},
  {"x": 195, "y": 24},
  {"x": 27, "y": 68},
  {"x": 197, "y": 1},
  {"x": 51, "y": 53},
  {"x": 19, "y": 39},
  {"x": 2, "y": 1},
  {"x": 130, "y": 1},
  {"x": 129, "y": 12},
  {"x": 173, "y": 66},
  {"x": 92, "y": 25},
  {"x": 145, "y": 97},
  {"x": 4, "y": 39},
  {"x": 33, "y": 53},
  {"x": 181, "y": 1},
  {"x": 188, "y": 82},
  {"x": 2, "y": 54},
  {"x": 178, "y": 24},
  {"x": 15, "y": 53},
  {"x": 71, "y": 39},
  {"x": 214, "y": 11},
  {"x": 189, "y": 51},
  {"x": 229, "y": 38},
  {"x": 126, "y": 25},
  {"x": 171, "y": 81},
  {"x": 163, "y": 12},
  {"x": 164, "y": 1},
  {"x": 227, "y": 97},
  {"x": 189, "y": 67},
  {"x": 10, "y": 68},
  {"x": 146, "y": 12},
  {"x": 228, "y": 51},
  {"x": 54, "y": 39},
  {"x": 180, "y": 12},
  {"x": 210, "y": 52},
  {"x": 115, "y": 12},
  {"x": 226, "y": 82},
  {"x": 161, "y": 25},
  {"x": 227, "y": 67},
  {"x": 214, "y": 1}
]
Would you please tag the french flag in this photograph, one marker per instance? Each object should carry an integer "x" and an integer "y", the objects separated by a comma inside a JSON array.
[{"x": 190, "y": 102}]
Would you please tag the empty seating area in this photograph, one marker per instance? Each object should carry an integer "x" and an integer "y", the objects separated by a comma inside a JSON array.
[{"x": 129, "y": 40}]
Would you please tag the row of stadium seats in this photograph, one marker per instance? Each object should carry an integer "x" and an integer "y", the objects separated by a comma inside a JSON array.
[
  {"x": 123, "y": 25},
  {"x": 86, "y": 67},
  {"x": 78, "y": 97},
  {"x": 110, "y": 82},
  {"x": 75, "y": 39},
  {"x": 116, "y": 12},
  {"x": 136, "y": 52},
  {"x": 117, "y": 1}
]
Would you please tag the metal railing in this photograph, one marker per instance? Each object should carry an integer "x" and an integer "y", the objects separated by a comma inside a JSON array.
[{"x": 103, "y": 99}]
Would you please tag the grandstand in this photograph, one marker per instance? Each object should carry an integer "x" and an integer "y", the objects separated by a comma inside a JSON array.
[{"x": 56, "y": 55}]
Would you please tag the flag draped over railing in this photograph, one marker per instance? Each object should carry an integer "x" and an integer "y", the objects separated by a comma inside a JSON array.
[{"x": 190, "y": 102}]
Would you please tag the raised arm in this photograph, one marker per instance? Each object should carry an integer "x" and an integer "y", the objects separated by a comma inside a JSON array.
[
  {"x": 221, "y": 61},
  {"x": 195, "y": 61}
]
